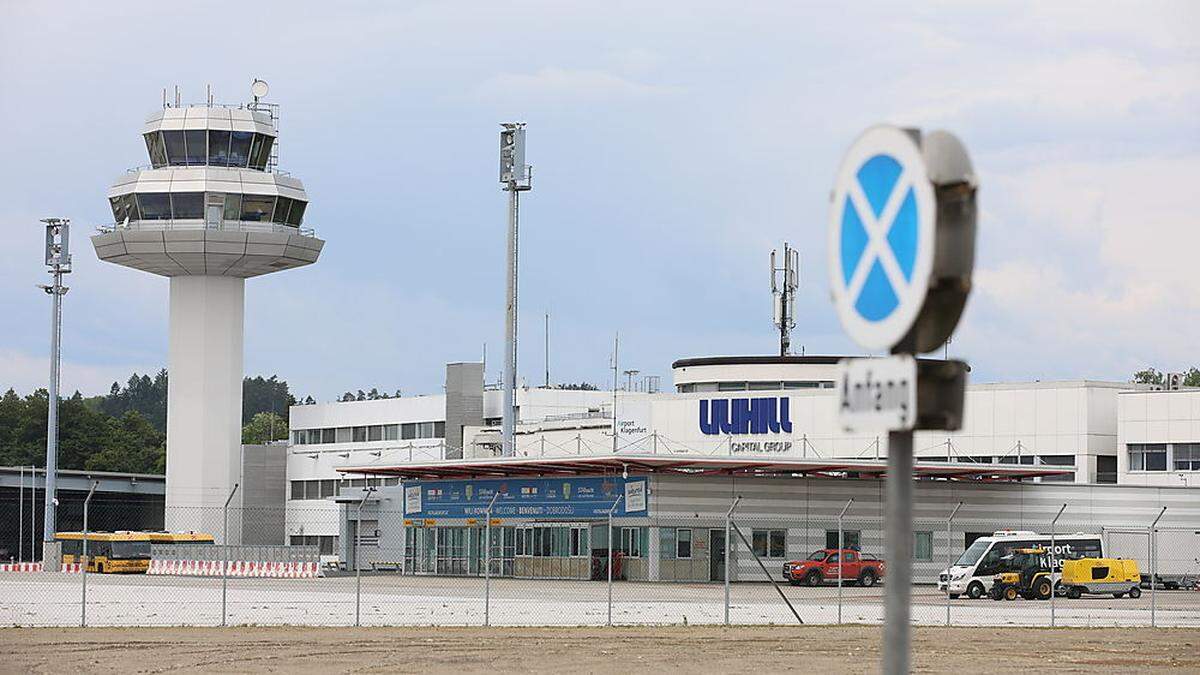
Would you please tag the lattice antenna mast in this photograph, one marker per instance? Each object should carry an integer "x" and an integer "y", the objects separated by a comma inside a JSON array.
[{"x": 785, "y": 280}]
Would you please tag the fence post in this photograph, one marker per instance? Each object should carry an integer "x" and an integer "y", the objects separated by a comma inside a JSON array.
[
  {"x": 83, "y": 568},
  {"x": 948, "y": 563},
  {"x": 610, "y": 554},
  {"x": 841, "y": 556},
  {"x": 225, "y": 550},
  {"x": 1053, "y": 562},
  {"x": 21, "y": 518},
  {"x": 357, "y": 552},
  {"x": 487, "y": 562},
  {"x": 1153, "y": 543},
  {"x": 728, "y": 519}
]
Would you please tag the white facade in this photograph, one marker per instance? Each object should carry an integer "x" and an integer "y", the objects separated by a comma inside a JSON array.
[{"x": 1159, "y": 437}]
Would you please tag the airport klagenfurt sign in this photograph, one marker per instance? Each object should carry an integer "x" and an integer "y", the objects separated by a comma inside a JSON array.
[{"x": 901, "y": 253}]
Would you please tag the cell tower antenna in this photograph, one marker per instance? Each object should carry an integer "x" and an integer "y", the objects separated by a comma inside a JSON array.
[{"x": 785, "y": 280}]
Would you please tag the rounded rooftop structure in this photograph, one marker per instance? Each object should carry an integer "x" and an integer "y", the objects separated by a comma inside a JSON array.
[
  {"x": 754, "y": 373},
  {"x": 210, "y": 202}
]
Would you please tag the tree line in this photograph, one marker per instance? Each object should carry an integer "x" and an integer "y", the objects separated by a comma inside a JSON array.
[{"x": 125, "y": 430}]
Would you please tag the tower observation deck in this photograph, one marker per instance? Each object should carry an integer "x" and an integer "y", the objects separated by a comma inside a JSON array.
[{"x": 208, "y": 212}]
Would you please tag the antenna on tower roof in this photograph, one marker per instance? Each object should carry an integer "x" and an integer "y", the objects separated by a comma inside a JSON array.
[{"x": 784, "y": 282}]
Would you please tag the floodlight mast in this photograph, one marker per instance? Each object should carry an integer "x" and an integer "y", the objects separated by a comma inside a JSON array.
[
  {"x": 58, "y": 259},
  {"x": 516, "y": 177}
]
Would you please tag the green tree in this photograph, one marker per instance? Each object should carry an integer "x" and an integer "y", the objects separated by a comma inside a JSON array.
[
  {"x": 1192, "y": 378},
  {"x": 265, "y": 394},
  {"x": 265, "y": 426},
  {"x": 134, "y": 446},
  {"x": 1148, "y": 376}
]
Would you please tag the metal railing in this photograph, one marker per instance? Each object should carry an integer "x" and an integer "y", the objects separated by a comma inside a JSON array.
[{"x": 201, "y": 224}]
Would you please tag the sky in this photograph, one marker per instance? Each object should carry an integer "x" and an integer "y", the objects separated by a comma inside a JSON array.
[{"x": 673, "y": 145}]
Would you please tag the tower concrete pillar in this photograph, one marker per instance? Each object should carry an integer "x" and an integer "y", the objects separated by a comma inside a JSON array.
[{"x": 204, "y": 395}]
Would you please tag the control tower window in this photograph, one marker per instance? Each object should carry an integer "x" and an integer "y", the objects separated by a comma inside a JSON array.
[
  {"x": 174, "y": 142},
  {"x": 196, "y": 147},
  {"x": 188, "y": 205},
  {"x": 261, "y": 153},
  {"x": 281, "y": 210},
  {"x": 297, "y": 213},
  {"x": 154, "y": 205},
  {"x": 125, "y": 206},
  {"x": 257, "y": 207},
  {"x": 154, "y": 146},
  {"x": 218, "y": 147},
  {"x": 239, "y": 149},
  {"x": 233, "y": 207}
]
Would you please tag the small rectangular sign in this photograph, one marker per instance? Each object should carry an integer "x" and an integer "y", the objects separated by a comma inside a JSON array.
[
  {"x": 877, "y": 394},
  {"x": 412, "y": 499},
  {"x": 635, "y": 495}
]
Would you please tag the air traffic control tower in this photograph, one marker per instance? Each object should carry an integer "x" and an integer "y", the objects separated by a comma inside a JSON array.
[{"x": 209, "y": 212}]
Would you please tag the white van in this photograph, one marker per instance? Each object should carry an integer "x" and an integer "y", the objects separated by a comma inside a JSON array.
[{"x": 972, "y": 574}]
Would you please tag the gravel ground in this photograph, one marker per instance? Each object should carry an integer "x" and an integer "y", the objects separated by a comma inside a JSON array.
[{"x": 758, "y": 649}]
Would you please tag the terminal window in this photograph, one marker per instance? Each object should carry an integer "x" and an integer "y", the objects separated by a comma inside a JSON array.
[
  {"x": 1186, "y": 456},
  {"x": 769, "y": 543},
  {"x": 1147, "y": 456},
  {"x": 851, "y": 539},
  {"x": 675, "y": 543},
  {"x": 923, "y": 546}
]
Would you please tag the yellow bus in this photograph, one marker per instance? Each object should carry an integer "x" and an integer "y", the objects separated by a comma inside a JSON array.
[
  {"x": 108, "y": 551},
  {"x": 160, "y": 538}
]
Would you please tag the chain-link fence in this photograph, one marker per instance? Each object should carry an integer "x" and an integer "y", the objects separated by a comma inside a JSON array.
[{"x": 344, "y": 563}]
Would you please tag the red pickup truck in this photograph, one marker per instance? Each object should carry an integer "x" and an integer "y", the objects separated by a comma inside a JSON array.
[{"x": 822, "y": 565}]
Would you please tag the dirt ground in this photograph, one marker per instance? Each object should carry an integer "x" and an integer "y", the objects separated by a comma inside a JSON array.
[{"x": 762, "y": 649}]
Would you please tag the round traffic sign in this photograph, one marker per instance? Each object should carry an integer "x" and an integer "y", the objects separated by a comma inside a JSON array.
[{"x": 882, "y": 232}]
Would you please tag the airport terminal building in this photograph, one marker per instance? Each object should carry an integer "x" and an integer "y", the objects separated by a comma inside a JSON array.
[{"x": 764, "y": 428}]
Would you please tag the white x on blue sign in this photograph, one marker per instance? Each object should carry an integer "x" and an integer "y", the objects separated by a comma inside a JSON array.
[{"x": 881, "y": 237}]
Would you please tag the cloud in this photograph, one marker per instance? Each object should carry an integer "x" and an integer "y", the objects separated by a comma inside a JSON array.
[
  {"x": 556, "y": 85},
  {"x": 26, "y": 372},
  {"x": 1098, "y": 274}
]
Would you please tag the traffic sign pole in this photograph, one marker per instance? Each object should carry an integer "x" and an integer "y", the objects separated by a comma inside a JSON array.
[
  {"x": 901, "y": 253},
  {"x": 897, "y": 589}
]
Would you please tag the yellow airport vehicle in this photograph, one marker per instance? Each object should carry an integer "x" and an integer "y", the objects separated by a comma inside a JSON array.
[
  {"x": 108, "y": 552},
  {"x": 159, "y": 538},
  {"x": 1023, "y": 573},
  {"x": 1118, "y": 576}
]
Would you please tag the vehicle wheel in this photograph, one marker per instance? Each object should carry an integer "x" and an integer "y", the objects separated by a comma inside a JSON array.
[
  {"x": 975, "y": 591},
  {"x": 954, "y": 596},
  {"x": 1120, "y": 595},
  {"x": 99, "y": 568},
  {"x": 866, "y": 579},
  {"x": 1074, "y": 593},
  {"x": 1135, "y": 592},
  {"x": 1042, "y": 590},
  {"x": 794, "y": 582},
  {"x": 997, "y": 593},
  {"x": 813, "y": 578}
]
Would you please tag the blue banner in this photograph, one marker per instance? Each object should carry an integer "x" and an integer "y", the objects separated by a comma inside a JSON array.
[{"x": 555, "y": 498}]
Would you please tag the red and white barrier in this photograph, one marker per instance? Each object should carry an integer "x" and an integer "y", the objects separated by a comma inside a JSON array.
[
  {"x": 21, "y": 567},
  {"x": 37, "y": 567},
  {"x": 237, "y": 568}
]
